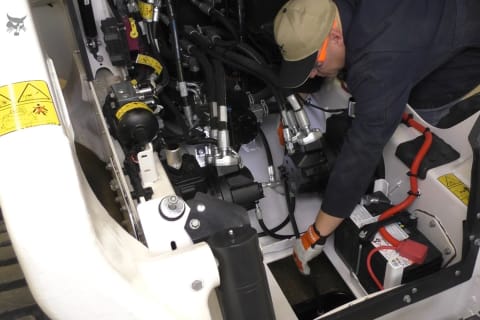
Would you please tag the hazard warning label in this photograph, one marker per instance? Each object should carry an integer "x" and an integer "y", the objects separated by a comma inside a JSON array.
[
  {"x": 456, "y": 186},
  {"x": 26, "y": 104}
]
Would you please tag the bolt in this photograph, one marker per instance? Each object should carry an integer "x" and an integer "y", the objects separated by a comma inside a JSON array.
[
  {"x": 231, "y": 233},
  {"x": 458, "y": 273},
  {"x": 478, "y": 216},
  {"x": 197, "y": 285},
  {"x": 407, "y": 298},
  {"x": 362, "y": 234},
  {"x": 414, "y": 290},
  {"x": 432, "y": 224},
  {"x": 201, "y": 207},
  {"x": 471, "y": 237},
  {"x": 172, "y": 202},
  {"x": 113, "y": 185},
  {"x": 447, "y": 251},
  {"x": 477, "y": 242},
  {"x": 194, "y": 224}
]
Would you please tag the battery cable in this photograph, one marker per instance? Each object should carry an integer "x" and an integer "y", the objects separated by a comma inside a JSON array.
[{"x": 412, "y": 194}]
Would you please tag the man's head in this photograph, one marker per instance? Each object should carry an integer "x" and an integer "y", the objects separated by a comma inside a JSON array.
[{"x": 310, "y": 38}]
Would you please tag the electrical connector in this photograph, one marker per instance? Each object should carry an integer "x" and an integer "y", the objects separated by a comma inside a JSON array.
[{"x": 415, "y": 251}]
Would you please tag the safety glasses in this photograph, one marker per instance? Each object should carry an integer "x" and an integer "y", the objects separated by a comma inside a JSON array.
[{"x": 322, "y": 53}]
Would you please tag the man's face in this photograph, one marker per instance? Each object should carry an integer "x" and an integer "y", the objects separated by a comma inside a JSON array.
[{"x": 333, "y": 63}]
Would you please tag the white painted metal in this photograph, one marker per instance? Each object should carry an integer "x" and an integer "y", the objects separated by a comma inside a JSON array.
[{"x": 78, "y": 262}]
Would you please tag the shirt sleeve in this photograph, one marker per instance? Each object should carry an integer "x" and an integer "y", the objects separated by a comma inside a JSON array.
[{"x": 380, "y": 84}]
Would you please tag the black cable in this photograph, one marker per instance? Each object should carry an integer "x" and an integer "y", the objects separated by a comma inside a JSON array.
[
  {"x": 266, "y": 145},
  {"x": 291, "y": 204},
  {"x": 308, "y": 103},
  {"x": 272, "y": 233}
]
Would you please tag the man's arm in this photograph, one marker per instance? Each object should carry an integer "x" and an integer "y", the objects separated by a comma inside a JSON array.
[{"x": 326, "y": 224}]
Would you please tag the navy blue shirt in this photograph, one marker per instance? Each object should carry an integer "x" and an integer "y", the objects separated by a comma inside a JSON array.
[{"x": 391, "y": 45}]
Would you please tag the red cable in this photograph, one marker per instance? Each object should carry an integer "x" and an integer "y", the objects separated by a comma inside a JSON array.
[
  {"x": 412, "y": 194},
  {"x": 413, "y": 178},
  {"x": 369, "y": 264}
]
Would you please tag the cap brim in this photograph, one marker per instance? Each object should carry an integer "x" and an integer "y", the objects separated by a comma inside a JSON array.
[{"x": 294, "y": 73}]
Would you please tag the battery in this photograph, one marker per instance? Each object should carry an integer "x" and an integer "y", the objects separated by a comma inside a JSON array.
[{"x": 389, "y": 267}]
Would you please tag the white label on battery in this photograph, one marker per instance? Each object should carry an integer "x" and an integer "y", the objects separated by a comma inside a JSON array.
[
  {"x": 397, "y": 232},
  {"x": 392, "y": 256},
  {"x": 361, "y": 217}
]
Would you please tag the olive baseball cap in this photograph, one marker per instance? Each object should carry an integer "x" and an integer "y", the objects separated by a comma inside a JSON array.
[{"x": 300, "y": 27}]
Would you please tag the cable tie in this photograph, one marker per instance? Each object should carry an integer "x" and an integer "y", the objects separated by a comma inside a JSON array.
[
  {"x": 411, "y": 193},
  {"x": 426, "y": 130},
  {"x": 410, "y": 174}
]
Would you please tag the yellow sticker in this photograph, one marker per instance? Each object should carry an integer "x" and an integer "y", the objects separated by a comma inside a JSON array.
[
  {"x": 149, "y": 61},
  {"x": 26, "y": 104},
  {"x": 146, "y": 10},
  {"x": 130, "y": 106},
  {"x": 456, "y": 186},
  {"x": 133, "y": 28}
]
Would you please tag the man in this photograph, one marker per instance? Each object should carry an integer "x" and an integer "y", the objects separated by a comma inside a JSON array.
[{"x": 388, "y": 48}]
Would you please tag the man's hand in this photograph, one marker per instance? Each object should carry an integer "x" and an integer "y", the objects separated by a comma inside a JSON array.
[{"x": 307, "y": 247}]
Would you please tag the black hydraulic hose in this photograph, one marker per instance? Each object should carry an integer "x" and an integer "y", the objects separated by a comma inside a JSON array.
[
  {"x": 220, "y": 85},
  {"x": 241, "y": 19},
  {"x": 176, "y": 51},
  {"x": 208, "y": 72},
  {"x": 169, "y": 105},
  {"x": 255, "y": 68},
  {"x": 251, "y": 52},
  {"x": 165, "y": 76},
  {"x": 216, "y": 120},
  {"x": 291, "y": 204},
  {"x": 236, "y": 60},
  {"x": 217, "y": 16},
  {"x": 88, "y": 19},
  {"x": 266, "y": 230},
  {"x": 266, "y": 145},
  {"x": 225, "y": 22},
  {"x": 263, "y": 94}
]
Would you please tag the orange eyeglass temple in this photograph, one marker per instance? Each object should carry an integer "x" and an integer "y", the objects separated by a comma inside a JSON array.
[{"x": 322, "y": 53}]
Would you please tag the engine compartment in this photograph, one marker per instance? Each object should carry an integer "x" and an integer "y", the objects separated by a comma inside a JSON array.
[{"x": 197, "y": 91}]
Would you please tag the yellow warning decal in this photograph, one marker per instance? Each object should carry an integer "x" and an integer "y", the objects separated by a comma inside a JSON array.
[
  {"x": 456, "y": 186},
  {"x": 146, "y": 10},
  {"x": 130, "y": 106},
  {"x": 149, "y": 61},
  {"x": 26, "y": 104},
  {"x": 133, "y": 28}
]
